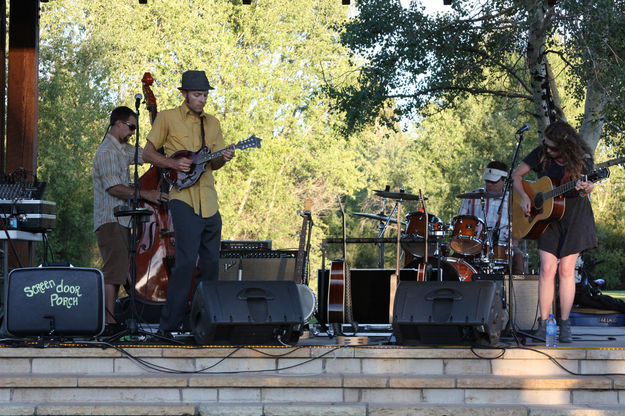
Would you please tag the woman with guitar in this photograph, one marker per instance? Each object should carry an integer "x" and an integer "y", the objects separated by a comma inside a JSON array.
[
  {"x": 194, "y": 207},
  {"x": 562, "y": 157}
]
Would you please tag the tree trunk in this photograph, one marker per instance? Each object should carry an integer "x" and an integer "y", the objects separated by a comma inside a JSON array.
[
  {"x": 536, "y": 62},
  {"x": 592, "y": 124}
]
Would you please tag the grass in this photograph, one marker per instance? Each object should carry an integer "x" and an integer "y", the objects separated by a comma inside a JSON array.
[{"x": 618, "y": 294}]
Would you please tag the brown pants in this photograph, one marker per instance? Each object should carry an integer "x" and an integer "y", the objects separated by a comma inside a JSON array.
[{"x": 113, "y": 244}]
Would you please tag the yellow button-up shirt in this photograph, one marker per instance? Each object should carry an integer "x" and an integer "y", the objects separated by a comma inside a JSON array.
[{"x": 179, "y": 129}]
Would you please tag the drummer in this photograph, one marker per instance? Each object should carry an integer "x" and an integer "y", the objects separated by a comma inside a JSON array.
[{"x": 494, "y": 178}]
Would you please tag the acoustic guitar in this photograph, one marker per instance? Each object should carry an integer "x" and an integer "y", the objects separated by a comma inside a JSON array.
[
  {"x": 547, "y": 203},
  {"x": 339, "y": 285}
]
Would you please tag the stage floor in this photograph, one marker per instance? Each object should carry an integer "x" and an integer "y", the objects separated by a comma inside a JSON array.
[{"x": 584, "y": 337}]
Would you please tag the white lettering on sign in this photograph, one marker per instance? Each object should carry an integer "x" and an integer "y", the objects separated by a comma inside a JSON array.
[
  {"x": 38, "y": 288},
  {"x": 63, "y": 295}
]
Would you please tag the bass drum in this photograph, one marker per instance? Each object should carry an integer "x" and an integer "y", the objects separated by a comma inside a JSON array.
[
  {"x": 308, "y": 301},
  {"x": 454, "y": 269}
]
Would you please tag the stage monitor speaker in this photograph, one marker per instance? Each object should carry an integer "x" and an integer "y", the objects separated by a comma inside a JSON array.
[
  {"x": 254, "y": 269},
  {"x": 243, "y": 312},
  {"x": 54, "y": 301},
  {"x": 449, "y": 313}
]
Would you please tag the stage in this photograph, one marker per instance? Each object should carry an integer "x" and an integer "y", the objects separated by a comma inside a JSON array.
[{"x": 142, "y": 376}]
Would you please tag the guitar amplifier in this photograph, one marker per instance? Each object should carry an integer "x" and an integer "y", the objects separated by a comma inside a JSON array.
[
  {"x": 257, "y": 268},
  {"x": 245, "y": 245},
  {"x": 54, "y": 301}
]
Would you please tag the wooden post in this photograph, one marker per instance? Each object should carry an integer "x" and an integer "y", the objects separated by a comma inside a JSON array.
[
  {"x": 3, "y": 80},
  {"x": 23, "y": 85},
  {"x": 22, "y": 95}
]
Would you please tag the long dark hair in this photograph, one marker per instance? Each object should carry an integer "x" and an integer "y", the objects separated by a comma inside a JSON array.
[{"x": 573, "y": 149}]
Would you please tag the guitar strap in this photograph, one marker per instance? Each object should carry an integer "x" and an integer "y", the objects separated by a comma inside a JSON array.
[{"x": 202, "y": 131}]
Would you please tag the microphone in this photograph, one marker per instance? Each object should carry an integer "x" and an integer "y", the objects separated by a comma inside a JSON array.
[
  {"x": 525, "y": 127},
  {"x": 138, "y": 98}
]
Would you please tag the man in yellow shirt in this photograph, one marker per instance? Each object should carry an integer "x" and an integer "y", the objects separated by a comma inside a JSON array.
[{"x": 195, "y": 209}]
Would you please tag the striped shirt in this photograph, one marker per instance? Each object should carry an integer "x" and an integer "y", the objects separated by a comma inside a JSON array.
[{"x": 110, "y": 168}]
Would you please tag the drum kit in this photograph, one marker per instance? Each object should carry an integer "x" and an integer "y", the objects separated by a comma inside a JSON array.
[{"x": 466, "y": 236}]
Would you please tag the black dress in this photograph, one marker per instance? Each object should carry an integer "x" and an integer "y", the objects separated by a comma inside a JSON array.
[{"x": 576, "y": 231}]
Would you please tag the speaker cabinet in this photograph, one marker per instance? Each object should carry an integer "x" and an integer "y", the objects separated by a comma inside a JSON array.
[
  {"x": 449, "y": 313},
  {"x": 370, "y": 293},
  {"x": 243, "y": 312},
  {"x": 524, "y": 298},
  {"x": 50, "y": 301},
  {"x": 277, "y": 268}
]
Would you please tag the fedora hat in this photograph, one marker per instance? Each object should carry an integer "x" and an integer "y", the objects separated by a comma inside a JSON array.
[{"x": 195, "y": 80}]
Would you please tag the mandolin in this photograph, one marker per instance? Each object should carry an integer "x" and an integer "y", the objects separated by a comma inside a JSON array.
[{"x": 182, "y": 180}]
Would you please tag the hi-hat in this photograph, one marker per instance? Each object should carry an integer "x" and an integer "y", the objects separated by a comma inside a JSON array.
[
  {"x": 378, "y": 217},
  {"x": 397, "y": 195},
  {"x": 479, "y": 194}
]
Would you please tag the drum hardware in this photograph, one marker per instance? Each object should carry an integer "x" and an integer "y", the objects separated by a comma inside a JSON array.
[
  {"x": 449, "y": 268},
  {"x": 379, "y": 217},
  {"x": 401, "y": 195},
  {"x": 479, "y": 194}
]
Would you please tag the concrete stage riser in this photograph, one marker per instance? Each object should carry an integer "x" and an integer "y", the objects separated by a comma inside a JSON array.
[{"x": 305, "y": 380}]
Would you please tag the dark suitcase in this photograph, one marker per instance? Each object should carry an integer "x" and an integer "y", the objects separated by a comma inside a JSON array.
[
  {"x": 54, "y": 301},
  {"x": 246, "y": 312},
  {"x": 449, "y": 313}
]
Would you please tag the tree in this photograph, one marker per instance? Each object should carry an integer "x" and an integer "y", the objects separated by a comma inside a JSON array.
[
  {"x": 413, "y": 59},
  {"x": 266, "y": 61}
]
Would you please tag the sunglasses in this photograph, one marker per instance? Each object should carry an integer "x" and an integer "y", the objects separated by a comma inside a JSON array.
[
  {"x": 132, "y": 127},
  {"x": 552, "y": 148}
]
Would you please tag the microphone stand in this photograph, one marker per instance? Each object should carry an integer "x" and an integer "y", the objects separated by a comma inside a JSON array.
[
  {"x": 135, "y": 213},
  {"x": 507, "y": 186}
]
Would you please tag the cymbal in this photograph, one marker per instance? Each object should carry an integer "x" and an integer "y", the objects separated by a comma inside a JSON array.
[
  {"x": 397, "y": 195},
  {"x": 378, "y": 217},
  {"x": 479, "y": 194}
]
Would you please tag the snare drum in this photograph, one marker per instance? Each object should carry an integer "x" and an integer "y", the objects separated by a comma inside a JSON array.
[
  {"x": 416, "y": 229},
  {"x": 468, "y": 235},
  {"x": 454, "y": 269}
]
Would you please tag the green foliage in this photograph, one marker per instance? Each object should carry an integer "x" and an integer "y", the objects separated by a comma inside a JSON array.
[
  {"x": 608, "y": 199},
  {"x": 417, "y": 58},
  {"x": 72, "y": 112},
  {"x": 266, "y": 62}
]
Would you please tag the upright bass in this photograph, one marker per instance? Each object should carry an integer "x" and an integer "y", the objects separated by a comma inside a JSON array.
[{"x": 155, "y": 243}]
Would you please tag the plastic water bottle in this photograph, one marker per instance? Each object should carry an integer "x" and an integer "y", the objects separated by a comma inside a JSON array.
[{"x": 552, "y": 330}]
